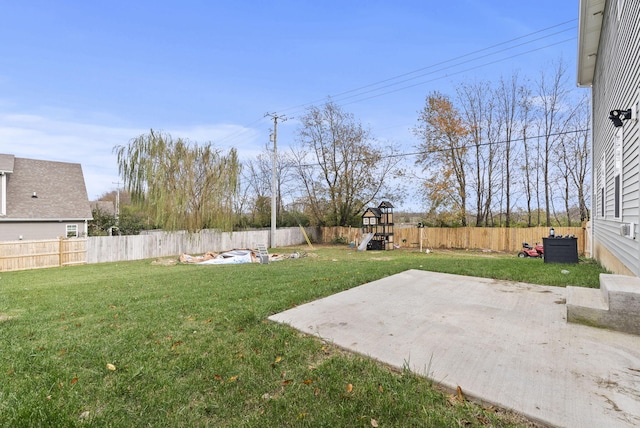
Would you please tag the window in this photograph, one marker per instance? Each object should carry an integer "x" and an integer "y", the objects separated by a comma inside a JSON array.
[
  {"x": 617, "y": 174},
  {"x": 72, "y": 231},
  {"x": 602, "y": 181}
]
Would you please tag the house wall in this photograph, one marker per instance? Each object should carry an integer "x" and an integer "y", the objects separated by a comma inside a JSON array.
[
  {"x": 615, "y": 86},
  {"x": 13, "y": 231}
]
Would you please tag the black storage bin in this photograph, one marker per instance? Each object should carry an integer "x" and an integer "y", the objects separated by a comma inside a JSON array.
[
  {"x": 375, "y": 244},
  {"x": 560, "y": 250}
]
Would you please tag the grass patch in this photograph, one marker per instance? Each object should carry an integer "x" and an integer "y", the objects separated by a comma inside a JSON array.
[{"x": 191, "y": 345}]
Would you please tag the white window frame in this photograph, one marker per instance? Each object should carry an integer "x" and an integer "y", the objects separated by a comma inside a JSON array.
[
  {"x": 617, "y": 173},
  {"x": 602, "y": 196},
  {"x": 72, "y": 231}
]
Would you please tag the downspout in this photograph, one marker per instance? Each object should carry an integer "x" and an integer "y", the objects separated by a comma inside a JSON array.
[{"x": 3, "y": 194}]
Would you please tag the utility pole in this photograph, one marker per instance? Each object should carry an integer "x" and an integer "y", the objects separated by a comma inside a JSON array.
[
  {"x": 117, "y": 202},
  {"x": 274, "y": 176}
]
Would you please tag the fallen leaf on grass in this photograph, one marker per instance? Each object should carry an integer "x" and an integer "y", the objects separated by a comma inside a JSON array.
[
  {"x": 349, "y": 388},
  {"x": 111, "y": 367},
  {"x": 74, "y": 381},
  {"x": 457, "y": 398},
  {"x": 278, "y": 359},
  {"x": 233, "y": 378},
  {"x": 460, "y": 394},
  {"x": 308, "y": 381},
  {"x": 374, "y": 423}
]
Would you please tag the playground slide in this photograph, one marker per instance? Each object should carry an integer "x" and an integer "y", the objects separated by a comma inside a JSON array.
[{"x": 365, "y": 240}]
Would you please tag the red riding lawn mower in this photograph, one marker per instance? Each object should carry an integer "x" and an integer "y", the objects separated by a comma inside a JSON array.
[{"x": 529, "y": 251}]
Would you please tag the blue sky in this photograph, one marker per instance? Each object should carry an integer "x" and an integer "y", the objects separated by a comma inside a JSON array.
[{"x": 80, "y": 77}]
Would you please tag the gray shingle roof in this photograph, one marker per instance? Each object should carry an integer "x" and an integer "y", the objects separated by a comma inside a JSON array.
[
  {"x": 6, "y": 163},
  {"x": 45, "y": 190}
]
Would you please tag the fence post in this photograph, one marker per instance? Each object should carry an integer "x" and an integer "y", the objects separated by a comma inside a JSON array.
[{"x": 60, "y": 253}]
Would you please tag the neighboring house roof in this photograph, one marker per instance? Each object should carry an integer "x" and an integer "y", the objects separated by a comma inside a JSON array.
[
  {"x": 107, "y": 207},
  {"x": 39, "y": 190},
  {"x": 6, "y": 163},
  {"x": 590, "y": 24}
]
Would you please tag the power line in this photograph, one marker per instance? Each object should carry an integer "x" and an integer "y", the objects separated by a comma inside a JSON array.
[
  {"x": 356, "y": 92},
  {"x": 341, "y": 94},
  {"x": 457, "y": 72},
  {"x": 471, "y": 146}
]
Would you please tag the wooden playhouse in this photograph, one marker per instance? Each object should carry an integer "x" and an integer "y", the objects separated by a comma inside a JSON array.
[{"x": 379, "y": 222}]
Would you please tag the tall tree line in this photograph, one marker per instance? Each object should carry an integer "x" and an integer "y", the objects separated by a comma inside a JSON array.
[
  {"x": 498, "y": 148},
  {"x": 515, "y": 151}
]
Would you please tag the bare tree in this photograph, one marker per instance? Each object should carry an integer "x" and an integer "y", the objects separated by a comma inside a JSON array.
[
  {"x": 572, "y": 159},
  {"x": 258, "y": 173},
  {"x": 340, "y": 166},
  {"x": 526, "y": 163},
  {"x": 552, "y": 98},
  {"x": 478, "y": 108},
  {"x": 507, "y": 96}
]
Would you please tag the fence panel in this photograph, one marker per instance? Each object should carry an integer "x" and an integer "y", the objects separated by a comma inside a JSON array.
[
  {"x": 24, "y": 255},
  {"x": 168, "y": 244},
  {"x": 490, "y": 238}
]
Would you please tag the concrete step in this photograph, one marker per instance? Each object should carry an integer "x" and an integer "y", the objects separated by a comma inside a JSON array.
[
  {"x": 616, "y": 305},
  {"x": 586, "y": 306},
  {"x": 622, "y": 292}
]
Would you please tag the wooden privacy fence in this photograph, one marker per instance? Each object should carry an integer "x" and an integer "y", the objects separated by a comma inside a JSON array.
[
  {"x": 22, "y": 255},
  {"x": 491, "y": 238},
  {"x": 102, "y": 249}
]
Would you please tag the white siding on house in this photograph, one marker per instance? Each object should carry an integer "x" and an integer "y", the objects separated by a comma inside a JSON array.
[{"x": 615, "y": 86}]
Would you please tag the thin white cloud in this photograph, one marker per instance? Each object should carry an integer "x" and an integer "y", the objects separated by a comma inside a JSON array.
[{"x": 91, "y": 145}]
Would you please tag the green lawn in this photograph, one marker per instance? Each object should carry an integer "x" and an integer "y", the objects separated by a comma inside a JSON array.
[{"x": 145, "y": 344}]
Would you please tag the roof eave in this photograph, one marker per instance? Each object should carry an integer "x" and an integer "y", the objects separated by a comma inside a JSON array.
[
  {"x": 48, "y": 220},
  {"x": 589, "y": 27}
]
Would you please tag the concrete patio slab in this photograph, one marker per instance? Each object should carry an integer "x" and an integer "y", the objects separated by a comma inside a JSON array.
[{"x": 504, "y": 343}]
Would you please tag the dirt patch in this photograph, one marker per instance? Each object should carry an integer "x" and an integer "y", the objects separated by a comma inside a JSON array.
[
  {"x": 5, "y": 317},
  {"x": 165, "y": 262},
  {"x": 381, "y": 259}
]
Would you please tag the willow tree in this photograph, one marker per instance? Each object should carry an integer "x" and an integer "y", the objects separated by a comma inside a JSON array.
[{"x": 181, "y": 185}]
